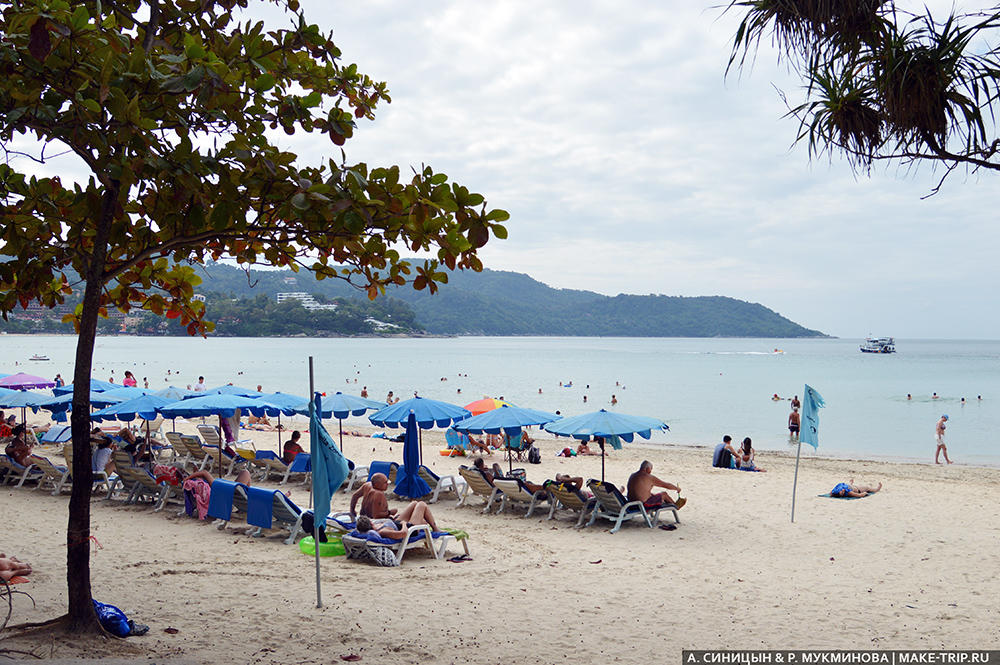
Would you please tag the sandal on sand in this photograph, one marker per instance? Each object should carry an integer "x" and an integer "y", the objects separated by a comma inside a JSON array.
[
  {"x": 668, "y": 527},
  {"x": 137, "y": 628}
]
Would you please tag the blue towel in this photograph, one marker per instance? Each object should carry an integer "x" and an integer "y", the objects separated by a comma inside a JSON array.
[
  {"x": 373, "y": 537},
  {"x": 266, "y": 454},
  {"x": 220, "y": 501},
  {"x": 260, "y": 505}
]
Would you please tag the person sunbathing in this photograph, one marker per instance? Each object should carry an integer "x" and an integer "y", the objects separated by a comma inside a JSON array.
[
  {"x": 490, "y": 474},
  {"x": 641, "y": 484},
  {"x": 478, "y": 446},
  {"x": 576, "y": 482},
  {"x": 415, "y": 514},
  {"x": 11, "y": 566},
  {"x": 850, "y": 490},
  {"x": 19, "y": 449},
  {"x": 372, "y": 496}
]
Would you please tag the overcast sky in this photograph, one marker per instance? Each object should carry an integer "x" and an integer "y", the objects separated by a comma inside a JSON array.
[{"x": 630, "y": 164}]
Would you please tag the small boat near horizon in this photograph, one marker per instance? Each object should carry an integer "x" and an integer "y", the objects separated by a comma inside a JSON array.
[
  {"x": 38, "y": 357},
  {"x": 878, "y": 345}
]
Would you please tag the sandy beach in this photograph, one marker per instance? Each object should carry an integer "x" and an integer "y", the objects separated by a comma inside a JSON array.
[{"x": 910, "y": 567}]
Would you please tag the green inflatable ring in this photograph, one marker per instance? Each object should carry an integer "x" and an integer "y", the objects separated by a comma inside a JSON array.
[{"x": 332, "y": 547}]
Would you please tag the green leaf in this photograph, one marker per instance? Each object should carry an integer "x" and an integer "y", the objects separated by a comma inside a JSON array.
[
  {"x": 300, "y": 201},
  {"x": 264, "y": 82}
]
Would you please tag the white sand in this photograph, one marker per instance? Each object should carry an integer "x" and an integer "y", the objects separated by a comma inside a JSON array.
[{"x": 911, "y": 567}]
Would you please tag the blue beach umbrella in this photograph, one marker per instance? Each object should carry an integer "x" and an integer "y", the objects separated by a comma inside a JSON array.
[
  {"x": 21, "y": 399},
  {"x": 427, "y": 412},
  {"x": 230, "y": 389},
  {"x": 123, "y": 393},
  {"x": 277, "y": 404},
  {"x": 340, "y": 406},
  {"x": 145, "y": 407},
  {"x": 211, "y": 405},
  {"x": 607, "y": 425},
  {"x": 175, "y": 394},
  {"x": 408, "y": 481},
  {"x": 96, "y": 385},
  {"x": 64, "y": 402},
  {"x": 508, "y": 419}
]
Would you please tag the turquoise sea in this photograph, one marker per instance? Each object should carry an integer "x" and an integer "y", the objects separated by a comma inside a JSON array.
[{"x": 703, "y": 388}]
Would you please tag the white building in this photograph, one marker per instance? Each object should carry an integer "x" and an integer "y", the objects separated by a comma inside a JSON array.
[{"x": 305, "y": 300}]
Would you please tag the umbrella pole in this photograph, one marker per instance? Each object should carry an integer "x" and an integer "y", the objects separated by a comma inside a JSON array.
[
  {"x": 340, "y": 425},
  {"x": 602, "y": 461},
  {"x": 312, "y": 396},
  {"x": 420, "y": 435},
  {"x": 510, "y": 455},
  {"x": 279, "y": 431}
]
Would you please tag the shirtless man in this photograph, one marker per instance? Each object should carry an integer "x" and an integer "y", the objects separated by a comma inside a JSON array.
[
  {"x": 372, "y": 497},
  {"x": 641, "y": 484},
  {"x": 10, "y": 567},
  {"x": 939, "y": 435},
  {"x": 414, "y": 514},
  {"x": 794, "y": 422}
]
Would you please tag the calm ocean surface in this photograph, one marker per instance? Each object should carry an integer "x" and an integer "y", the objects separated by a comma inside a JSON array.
[{"x": 703, "y": 388}]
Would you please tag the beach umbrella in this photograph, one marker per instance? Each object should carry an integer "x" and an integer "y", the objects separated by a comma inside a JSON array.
[
  {"x": 96, "y": 385},
  {"x": 176, "y": 394},
  {"x": 340, "y": 406},
  {"x": 608, "y": 425},
  {"x": 283, "y": 403},
  {"x": 427, "y": 412},
  {"x": 485, "y": 404},
  {"x": 408, "y": 480},
  {"x": 123, "y": 393},
  {"x": 22, "y": 381},
  {"x": 21, "y": 399},
  {"x": 144, "y": 406},
  {"x": 230, "y": 389},
  {"x": 506, "y": 419},
  {"x": 64, "y": 402}
]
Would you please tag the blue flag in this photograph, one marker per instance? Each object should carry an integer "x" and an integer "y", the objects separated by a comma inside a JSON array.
[
  {"x": 812, "y": 402},
  {"x": 329, "y": 466}
]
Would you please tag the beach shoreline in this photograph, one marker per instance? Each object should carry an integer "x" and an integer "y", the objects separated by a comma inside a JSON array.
[{"x": 900, "y": 569}]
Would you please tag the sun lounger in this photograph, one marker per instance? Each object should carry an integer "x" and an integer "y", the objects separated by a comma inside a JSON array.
[
  {"x": 567, "y": 496},
  {"x": 272, "y": 464},
  {"x": 517, "y": 448},
  {"x": 99, "y": 477},
  {"x": 477, "y": 485},
  {"x": 612, "y": 505},
  {"x": 387, "y": 468},
  {"x": 17, "y": 472},
  {"x": 357, "y": 545},
  {"x": 52, "y": 475},
  {"x": 301, "y": 464},
  {"x": 181, "y": 455},
  {"x": 440, "y": 484},
  {"x": 356, "y": 476},
  {"x": 264, "y": 507},
  {"x": 514, "y": 491}
]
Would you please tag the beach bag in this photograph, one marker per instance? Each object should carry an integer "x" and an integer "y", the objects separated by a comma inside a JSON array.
[
  {"x": 517, "y": 474},
  {"x": 381, "y": 556},
  {"x": 113, "y": 619},
  {"x": 534, "y": 455}
]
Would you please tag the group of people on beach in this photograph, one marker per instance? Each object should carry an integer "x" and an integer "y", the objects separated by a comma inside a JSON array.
[{"x": 727, "y": 456}]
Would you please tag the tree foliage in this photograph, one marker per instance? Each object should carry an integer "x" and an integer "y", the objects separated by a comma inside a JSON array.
[
  {"x": 883, "y": 83},
  {"x": 173, "y": 111}
]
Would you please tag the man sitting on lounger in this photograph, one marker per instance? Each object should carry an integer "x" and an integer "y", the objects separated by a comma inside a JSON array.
[
  {"x": 373, "y": 502},
  {"x": 414, "y": 514},
  {"x": 641, "y": 484}
]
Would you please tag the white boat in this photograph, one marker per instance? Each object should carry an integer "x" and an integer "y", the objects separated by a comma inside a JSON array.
[
  {"x": 38, "y": 357},
  {"x": 879, "y": 345}
]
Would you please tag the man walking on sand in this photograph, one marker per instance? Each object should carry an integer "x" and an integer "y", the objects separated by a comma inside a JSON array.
[{"x": 941, "y": 448}]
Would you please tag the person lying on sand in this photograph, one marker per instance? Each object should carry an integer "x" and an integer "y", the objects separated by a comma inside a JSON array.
[
  {"x": 12, "y": 567},
  {"x": 416, "y": 513},
  {"x": 372, "y": 497},
  {"x": 853, "y": 491},
  {"x": 641, "y": 484}
]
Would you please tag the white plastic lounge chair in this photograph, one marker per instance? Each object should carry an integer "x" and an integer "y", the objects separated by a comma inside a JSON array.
[
  {"x": 16, "y": 472},
  {"x": 440, "y": 484},
  {"x": 514, "y": 491},
  {"x": 417, "y": 536},
  {"x": 611, "y": 505},
  {"x": 99, "y": 477},
  {"x": 180, "y": 455},
  {"x": 52, "y": 476},
  {"x": 570, "y": 498},
  {"x": 477, "y": 485}
]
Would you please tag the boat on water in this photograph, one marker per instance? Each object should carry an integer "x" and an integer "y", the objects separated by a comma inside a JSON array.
[
  {"x": 38, "y": 357},
  {"x": 879, "y": 345}
]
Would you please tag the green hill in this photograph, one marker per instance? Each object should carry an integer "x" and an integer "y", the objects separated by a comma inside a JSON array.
[{"x": 507, "y": 303}]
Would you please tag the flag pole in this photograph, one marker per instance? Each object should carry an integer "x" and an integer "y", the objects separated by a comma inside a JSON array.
[
  {"x": 795, "y": 481},
  {"x": 312, "y": 408}
]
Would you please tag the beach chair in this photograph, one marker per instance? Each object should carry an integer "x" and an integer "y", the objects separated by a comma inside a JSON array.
[
  {"x": 301, "y": 464},
  {"x": 271, "y": 463},
  {"x": 440, "y": 484},
  {"x": 514, "y": 491},
  {"x": 265, "y": 507},
  {"x": 387, "y": 468},
  {"x": 570, "y": 498},
  {"x": 52, "y": 475},
  {"x": 612, "y": 505},
  {"x": 180, "y": 452},
  {"x": 456, "y": 440},
  {"x": 356, "y": 476},
  {"x": 477, "y": 485},
  {"x": 99, "y": 477},
  {"x": 515, "y": 444},
  {"x": 197, "y": 453},
  {"x": 419, "y": 536},
  {"x": 17, "y": 472}
]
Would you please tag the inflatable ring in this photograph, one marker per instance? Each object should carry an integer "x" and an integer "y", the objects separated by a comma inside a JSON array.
[
  {"x": 452, "y": 452},
  {"x": 332, "y": 547}
]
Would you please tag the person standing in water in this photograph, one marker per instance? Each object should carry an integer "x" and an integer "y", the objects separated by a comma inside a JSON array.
[{"x": 941, "y": 448}]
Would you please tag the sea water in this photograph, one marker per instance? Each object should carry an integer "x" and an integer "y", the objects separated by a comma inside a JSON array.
[{"x": 703, "y": 388}]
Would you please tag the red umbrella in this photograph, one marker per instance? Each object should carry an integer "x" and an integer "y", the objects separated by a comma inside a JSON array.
[{"x": 486, "y": 404}]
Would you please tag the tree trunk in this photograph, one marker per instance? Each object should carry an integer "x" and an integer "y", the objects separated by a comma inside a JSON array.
[{"x": 82, "y": 617}]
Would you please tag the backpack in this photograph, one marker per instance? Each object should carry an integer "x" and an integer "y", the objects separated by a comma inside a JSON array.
[{"x": 534, "y": 455}]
